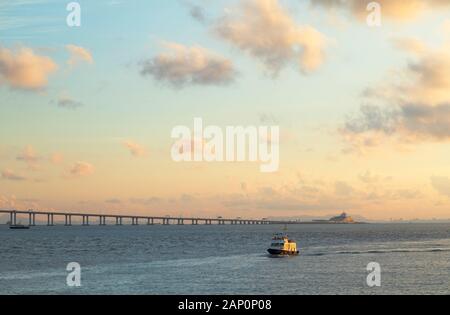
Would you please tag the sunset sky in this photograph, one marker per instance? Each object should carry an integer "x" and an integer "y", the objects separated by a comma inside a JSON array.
[{"x": 86, "y": 112}]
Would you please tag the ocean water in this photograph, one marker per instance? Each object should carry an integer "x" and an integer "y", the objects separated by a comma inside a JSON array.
[{"x": 414, "y": 259}]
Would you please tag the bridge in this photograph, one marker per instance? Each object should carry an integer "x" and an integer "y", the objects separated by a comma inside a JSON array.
[{"x": 87, "y": 219}]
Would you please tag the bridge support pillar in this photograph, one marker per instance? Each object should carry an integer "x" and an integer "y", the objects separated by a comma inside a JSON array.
[
  {"x": 50, "y": 220},
  {"x": 13, "y": 218}
]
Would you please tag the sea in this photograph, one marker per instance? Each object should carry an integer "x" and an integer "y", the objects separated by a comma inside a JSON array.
[{"x": 213, "y": 260}]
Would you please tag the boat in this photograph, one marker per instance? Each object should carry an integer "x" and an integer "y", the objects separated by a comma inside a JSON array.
[
  {"x": 282, "y": 245},
  {"x": 19, "y": 227}
]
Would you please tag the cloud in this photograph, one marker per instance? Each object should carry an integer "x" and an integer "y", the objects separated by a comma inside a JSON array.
[
  {"x": 414, "y": 106},
  {"x": 81, "y": 169},
  {"x": 432, "y": 77},
  {"x": 371, "y": 117},
  {"x": 441, "y": 185},
  {"x": 15, "y": 16},
  {"x": 411, "y": 45},
  {"x": 23, "y": 69},
  {"x": 56, "y": 158},
  {"x": 69, "y": 103},
  {"x": 145, "y": 201},
  {"x": 267, "y": 32},
  {"x": 78, "y": 55},
  {"x": 11, "y": 175},
  {"x": 29, "y": 156},
  {"x": 8, "y": 202},
  {"x": 13, "y": 203},
  {"x": 395, "y": 10},
  {"x": 183, "y": 65},
  {"x": 427, "y": 122},
  {"x": 136, "y": 149},
  {"x": 113, "y": 201},
  {"x": 411, "y": 123},
  {"x": 368, "y": 178},
  {"x": 198, "y": 13},
  {"x": 343, "y": 189}
]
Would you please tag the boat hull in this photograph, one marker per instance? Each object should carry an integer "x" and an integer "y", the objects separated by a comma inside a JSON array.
[
  {"x": 12, "y": 227},
  {"x": 279, "y": 252}
]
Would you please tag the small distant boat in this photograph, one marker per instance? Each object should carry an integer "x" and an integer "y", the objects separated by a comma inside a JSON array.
[
  {"x": 19, "y": 227},
  {"x": 282, "y": 245}
]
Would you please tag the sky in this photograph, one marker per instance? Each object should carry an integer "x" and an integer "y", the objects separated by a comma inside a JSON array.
[{"x": 86, "y": 112}]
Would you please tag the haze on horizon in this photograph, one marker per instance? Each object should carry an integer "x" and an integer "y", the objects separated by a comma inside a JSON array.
[{"x": 364, "y": 112}]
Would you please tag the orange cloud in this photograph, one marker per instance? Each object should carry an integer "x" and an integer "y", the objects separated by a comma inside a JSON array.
[
  {"x": 24, "y": 69},
  {"x": 29, "y": 156},
  {"x": 441, "y": 185},
  {"x": 11, "y": 175},
  {"x": 399, "y": 10},
  {"x": 8, "y": 202},
  {"x": 82, "y": 169},
  {"x": 267, "y": 32},
  {"x": 56, "y": 158},
  {"x": 136, "y": 149},
  {"x": 78, "y": 54}
]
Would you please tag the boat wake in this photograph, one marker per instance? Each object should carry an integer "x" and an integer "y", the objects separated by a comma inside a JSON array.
[{"x": 381, "y": 251}]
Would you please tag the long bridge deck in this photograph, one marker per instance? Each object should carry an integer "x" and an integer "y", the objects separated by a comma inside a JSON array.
[{"x": 117, "y": 219}]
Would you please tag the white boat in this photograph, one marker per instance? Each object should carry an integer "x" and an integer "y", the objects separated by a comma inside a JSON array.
[{"x": 282, "y": 245}]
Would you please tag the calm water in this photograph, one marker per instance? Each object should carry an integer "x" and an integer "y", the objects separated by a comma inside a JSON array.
[{"x": 225, "y": 260}]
